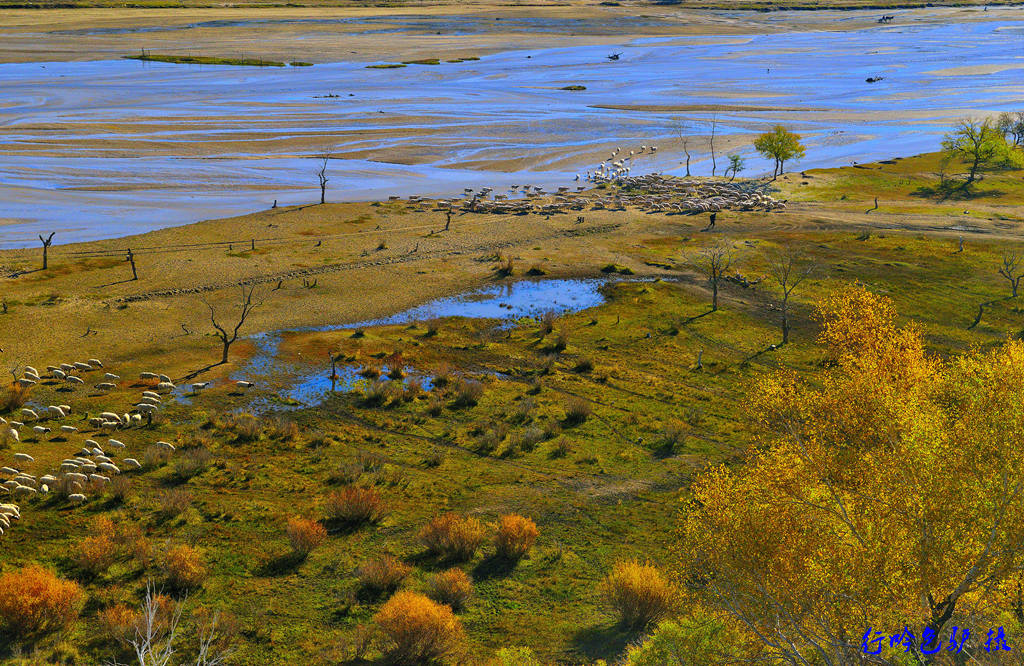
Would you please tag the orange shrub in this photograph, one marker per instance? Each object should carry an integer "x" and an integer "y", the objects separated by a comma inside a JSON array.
[
  {"x": 516, "y": 536},
  {"x": 452, "y": 587},
  {"x": 118, "y": 622},
  {"x": 640, "y": 593},
  {"x": 353, "y": 505},
  {"x": 183, "y": 567},
  {"x": 35, "y": 601},
  {"x": 417, "y": 630},
  {"x": 96, "y": 553},
  {"x": 452, "y": 536},
  {"x": 384, "y": 574},
  {"x": 304, "y": 534}
]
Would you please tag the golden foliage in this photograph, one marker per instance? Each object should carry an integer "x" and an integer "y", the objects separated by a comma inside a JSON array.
[
  {"x": 96, "y": 553},
  {"x": 304, "y": 534},
  {"x": 419, "y": 631},
  {"x": 640, "y": 593},
  {"x": 452, "y": 587},
  {"x": 888, "y": 494},
  {"x": 118, "y": 622},
  {"x": 35, "y": 601},
  {"x": 516, "y": 536},
  {"x": 383, "y": 574},
  {"x": 354, "y": 505},
  {"x": 452, "y": 536},
  {"x": 183, "y": 567}
]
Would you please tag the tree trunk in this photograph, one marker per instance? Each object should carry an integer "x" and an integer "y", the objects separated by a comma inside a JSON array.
[
  {"x": 687, "y": 165},
  {"x": 323, "y": 193},
  {"x": 45, "y": 248},
  {"x": 224, "y": 356},
  {"x": 785, "y": 327},
  {"x": 714, "y": 295}
]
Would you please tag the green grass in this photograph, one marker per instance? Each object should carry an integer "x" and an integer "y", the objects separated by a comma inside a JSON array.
[
  {"x": 210, "y": 60},
  {"x": 385, "y": 66},
  {"x": 422, "y": 61},
  {"x": 573, "y": 88}
]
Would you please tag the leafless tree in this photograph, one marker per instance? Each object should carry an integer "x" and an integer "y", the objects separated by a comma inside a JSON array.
[
  {"x": 246, "y": 305},
  {"x": 1012, "y": 270},
  {"x": 682, "y": 129},
  {"x": 155, "y": 634},
  {"x": 321, "y": 173},
  {"x": 788, "y": 268},
  {"x": 46, "y": 247},
  {"x": 131, "y": 260},
  {"x": 711, "y": 142},
  {"x": 712, "y": 262}
]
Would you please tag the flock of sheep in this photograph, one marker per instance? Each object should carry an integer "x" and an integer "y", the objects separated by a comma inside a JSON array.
[
  {"x": 93, "y": 465},
  {"x": 649, "y": 193}
]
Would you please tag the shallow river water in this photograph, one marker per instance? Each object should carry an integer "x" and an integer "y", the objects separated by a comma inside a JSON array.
[{"x": 103, "y": 148}]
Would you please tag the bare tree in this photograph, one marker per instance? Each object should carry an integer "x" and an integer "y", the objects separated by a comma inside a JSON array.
[
  {"x": 1012, "y": 270},
  {"x": 682, "y": 127},
  {"x": 788, "y": 267},
  {"x": 711, "y": 142},
  {"x": 321, "y": 173},
  {"x": 246, "y": 305},
  {"x": 712, "y": 262},
  {"x": 131, "y": 260},
  {"x": 46, "y": 247}
]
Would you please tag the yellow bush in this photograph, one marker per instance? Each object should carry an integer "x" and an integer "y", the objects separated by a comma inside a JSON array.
[
  {"x": 304, "y": 534},
  {"x": 419, "y": 631},
  {"x": 640, "y": 593},
  {"x": 96, "y": 553},
  {"x": 452, "y": 536},
  {"x": 35, "y": 601},
  {"x": 118, "y": 622},
  {"x": 353, "y": 505},
  {"x": 183, "y": 567},
  {"x": 452, "y": 587},
  {"x": 384, "y": 574},
  {"x": 516, "y": 536}
]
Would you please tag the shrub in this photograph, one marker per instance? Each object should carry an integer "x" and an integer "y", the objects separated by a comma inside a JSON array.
[
  {"x": 285, "y": 430},
  {"x": 522, "y": 411},
  {"x": 245, "y": 427},
  {"x": 577, "y": 410},
  {"x": 442, "y": 375},
  {"x": 561, "y": 449},
  {"x": 155, "y": 456},
  {"x": 192, "y": 462},
  {"x": 304, "y": 534},
  {"x": 96, "y": 554},
  {"x": 383, "y": 574},
  {"x": 35, "y": 602},
  {"x": 174, "y": 502},
  {"x": 118, "y": 622},
  {"x": 516, "y": 656},
  {"x": 547, "y": 323},
  {"x": 452, "y": 536},
  {"x": 119, "y": 488},
  {"x": 452, "y": 587},
  {"x": 516, "y": 536},
  {"x": 700, "y": 639},
  {"x": 561, "y": 340},
  {"x": 435, "y": 406},
  {"x": 640, "y": 593},
  {"x": 353, "y": 505},
  {"x": 584, "y": 364},
  {"x": 418, "y": 630},
  {"x": 532, "y": 436},
  {"x": 14, "y": 397},
  {"x": 468, "y": 392},
  {"x": 413, "y": 389},
  {"x": 183, "y": 567}
]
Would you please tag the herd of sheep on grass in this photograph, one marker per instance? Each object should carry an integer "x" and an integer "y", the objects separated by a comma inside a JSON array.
[{"x": 93, "y": 465}]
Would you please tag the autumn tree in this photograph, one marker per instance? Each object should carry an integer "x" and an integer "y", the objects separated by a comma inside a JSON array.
[
  {"x": 1012, "y": 270},
  {"x": 980, "y": 146},
  {"x": 712, "y": 262},
  {"x": 780, "y": 145},
  {"x": 736, "y": 164},
  {"x": 225, "y": 332},
  {"x": 1011, "y": 126},
  {"x": 788, "y": 268},
  {"x": 886, "y": 495}
]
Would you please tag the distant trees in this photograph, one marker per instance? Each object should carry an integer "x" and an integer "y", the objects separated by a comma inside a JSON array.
[
  {"x": 887, "y": 494},
  {"x": 682, "y": 129},
  {"x": 321, "y": 173},
  {"x": 980, "y": 146},
  {"x": 1012, "y": 270},
  {"x": 780, "y": 145},
  {"x": 46, "y": 247},
  {"x": 1011, "y": 126},
  {"x": 736, "y": 164}
]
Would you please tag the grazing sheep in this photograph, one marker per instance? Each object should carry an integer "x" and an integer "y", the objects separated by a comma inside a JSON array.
[
  {"x": 23, "y": 491},
  {"x": 165, "y": 386},
  {"x": 96, "y": 422},
  {"x": 99, "y": 478},
  {"x": 145, "y": 407},
  {"x": 167, "y": 446},
  {"x": 109, "y": 468},
  {"x": 13, "y": 434},
  {"x": 76, "y": 498},
  {"x": 126, "y": 419},
  {"x": 76, "y": 477},
  {"x": 10, "y": 484},
  {"x": 97, "y": 452},
  {"x": 148, "y": 375},
  {"x": 29, "y": 414},
  {"x": 59, "y": 374},
  {"x": 67, "y": 367},
  {"x": 23, "y": 457},
  {"x": 16, "y": 424},
  {"x": 26, "y": 382},
  {"x": 111, "y": 377},
  {"x": 105, "y": 386},
  {"x": 48, "y": 478},
  {"x": 75, "y": 380},
  {"x": 69, "y": 429},
  {"x": 88, "y": 468},
  {"x": 30, "y": 370},
  {"x": 66, "y": 467},
  {"x": 8, "y": 470},
  {"x": 115, "y": 443},
  {"x": 82, "y": 366},
  {"x": 40, "y": 430},
  {"x": 110, "y": 416},
  {"x": 132, "y": 463},
  {"x": 164, "y": 379},
  {"x": 44, "y": 489},
  {"x": 95, "y": 362},
  {"x": 32, "y": 375},
  {"x": 196, "y": 388},
  {"x": 26, "y": 480},
  {"x": 149, "y": 401},
  {"x": 55, "y": 412},
  {"x": 150, "y": 394},
  {"x": 65, "y": 408},
  {"x": 103, "y": 459},
  {"x": 136, "y": 419}
]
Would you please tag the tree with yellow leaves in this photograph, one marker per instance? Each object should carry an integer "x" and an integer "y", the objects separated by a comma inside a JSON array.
[{"x": 888, "y": 495}]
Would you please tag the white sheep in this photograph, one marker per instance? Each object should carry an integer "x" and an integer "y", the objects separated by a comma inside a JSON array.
[
  {"x": 65, "y": 408},
  {"x": 145, "y": 407},
  {"x": 105, "y": 386},
  {"x": 148, "y": 375},
  {"x": 99, "y": 478},
  {"x": 55, "y": 412},
  {"x": 196, "y": 388},
  {"x": 67, "y": 367},
  {"x": 59, "y": 374},
  {"x": 167, "y": 446},
  {"x": 40, "y": 430},
  {"x": 111, "y": 377},
  {"x": 109, "y": 468},
  {"x": 164, "y": 379},
  {"x": 115, "y": 443},
  {"x": 95, "y": 362},
  {"x": 110, "y": 416},
  {"x": 23, "y": 457},
  {"x": 76, "y": 498},
  {"x": 243, "y": 385},
  {"x": 8, "y": 470},
  {"x": 29, "y": 370},
  {"x": 13, "y": 434},
  {"x": 29, "y": 414},
  {"x": 165, "y": 386},
  {"x": 23, "y": 491},
  {"x": 136, "y": 419},
  {"x": 68, "y": 429},
  {"x": 26, "y": 382},
  {"x": 76, "y": 477},
  {"x": 75, "y": 380},
  {"x": 82, "y": 366},
  {"x": 132, "y": 463}
]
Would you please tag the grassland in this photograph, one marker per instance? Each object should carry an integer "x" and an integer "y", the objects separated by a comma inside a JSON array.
[
  {"x": 209, "y": 60},
  {"x": 607, "y": 488}
]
